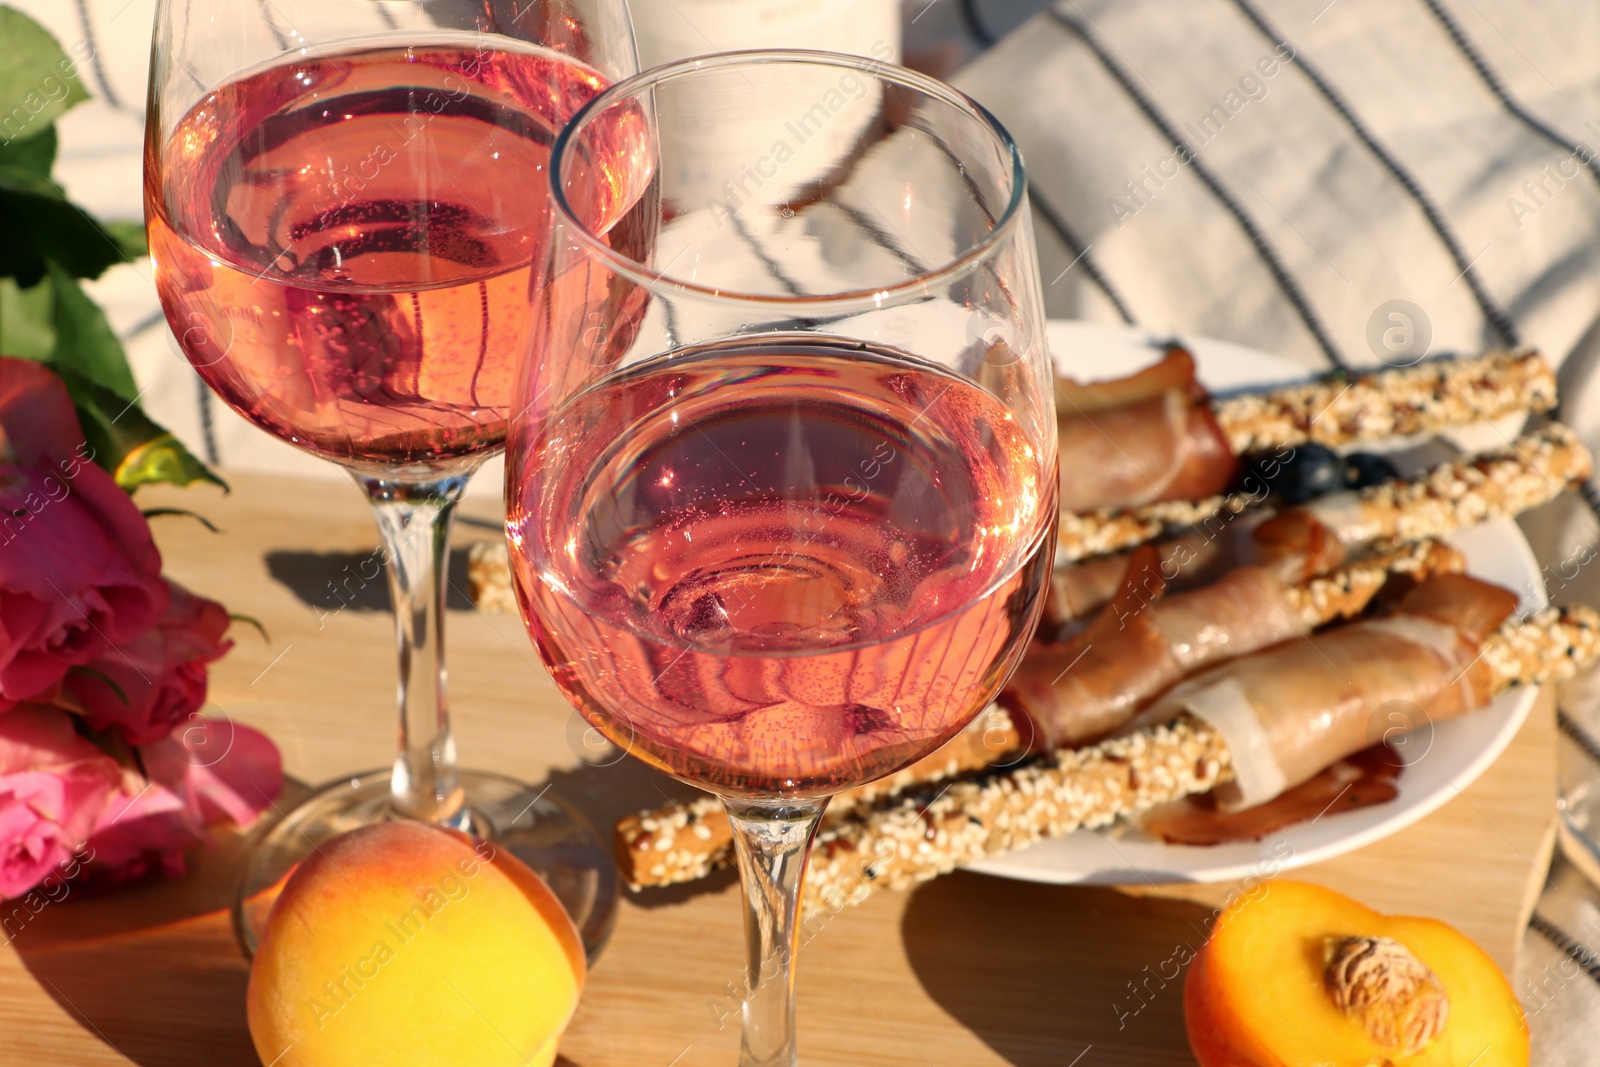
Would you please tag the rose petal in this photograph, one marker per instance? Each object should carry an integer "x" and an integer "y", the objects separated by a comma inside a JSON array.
[
  {"x": 237, "y": 771},
  {"x": 37, "y": 414}
]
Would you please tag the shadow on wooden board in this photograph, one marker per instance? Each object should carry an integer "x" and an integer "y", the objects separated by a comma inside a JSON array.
[
  {"x": 1105, "y": 969},
  {"x": 153, "y": 969}
]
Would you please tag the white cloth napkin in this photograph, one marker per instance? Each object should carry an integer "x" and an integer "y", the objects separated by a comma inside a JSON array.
[
  {"x": 1558, "y": 970},
  {"x": 1289, "y": 198}
]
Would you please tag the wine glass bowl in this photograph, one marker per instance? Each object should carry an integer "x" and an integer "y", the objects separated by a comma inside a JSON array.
[
  {"x": 346, "y": 237},
  {"x": 347, "y": 206},
  {"x": 781, "y": 478},
  {"x": 816, "y": 571}
]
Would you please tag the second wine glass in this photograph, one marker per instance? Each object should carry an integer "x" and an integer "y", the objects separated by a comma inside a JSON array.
[
  {"x": 346, "y": 200},
  {"x": 782, "y": 476}
]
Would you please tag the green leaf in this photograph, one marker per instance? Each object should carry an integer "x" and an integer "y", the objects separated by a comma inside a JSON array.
[
  {"x": 161, "y": 513},
  {"x": 36, "y": 155},
  {"x": 85, "y": 342},
  {"x": 19, "y": 258},
  {"x": 38, "y": 81},
  {"x": 22, "y": 176},
  {"x": 148, "y": 454},
  {"x": 42, "y": 226},
  {"x": 102, "y": 676},
  {"x": 251, "y": 620},
  {"x": 162, "y": 459},
  {"x": 27, "y": 321},
  {"x": 127, "y": 442},
  {"x": 130, "y": 238}
]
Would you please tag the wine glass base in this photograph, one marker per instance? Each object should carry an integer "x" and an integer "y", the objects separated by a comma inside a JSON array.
[{"x": 536, "y": 827}]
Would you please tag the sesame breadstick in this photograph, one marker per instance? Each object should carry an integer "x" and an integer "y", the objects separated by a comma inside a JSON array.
[
  {"x": 1394, "y": 402},
  {"x": 685, "y": 841},
  {"x": 489, "y": 577},
  {"x": 1531, "y": 470},
  {"x": 932, "y": 830},
  {"x": 1347, "y": 591}
]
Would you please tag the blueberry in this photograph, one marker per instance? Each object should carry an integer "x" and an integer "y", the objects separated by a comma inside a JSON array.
[
  {"x": 1362, "y": 469},
  {"x": 1260, "y": 475},
  {"x": 1309, "y": 471}
]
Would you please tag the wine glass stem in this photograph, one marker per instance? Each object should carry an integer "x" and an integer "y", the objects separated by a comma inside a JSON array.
[
  {"x": 773, "y": 841},
  {"x": 414, "y": 518}
]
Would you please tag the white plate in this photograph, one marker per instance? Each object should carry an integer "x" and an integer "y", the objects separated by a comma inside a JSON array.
[{"x": 1439, "y": 761}]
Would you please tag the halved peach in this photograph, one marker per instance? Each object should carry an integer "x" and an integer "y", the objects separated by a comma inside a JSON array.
[{"x": 1296, "y": 975}]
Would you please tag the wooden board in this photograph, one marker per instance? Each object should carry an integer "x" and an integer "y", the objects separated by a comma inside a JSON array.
[{"x": 966, "y": 970}]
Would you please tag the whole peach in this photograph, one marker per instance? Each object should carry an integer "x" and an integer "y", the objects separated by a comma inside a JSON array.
[{"x": 401, "y": 944}]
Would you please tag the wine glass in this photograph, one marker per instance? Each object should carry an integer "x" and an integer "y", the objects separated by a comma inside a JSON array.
[
  {"x": 781, "y": 479},
  {"x": 345, "y": 200}
]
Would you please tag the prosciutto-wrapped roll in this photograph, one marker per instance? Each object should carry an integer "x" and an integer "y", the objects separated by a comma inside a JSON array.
[
  {"x": 1092, "y": 685},
  {"x": 1288, "y": 712},
  {"x": 1079, "y": 590},
  {"x": 1141, "y": 440}
]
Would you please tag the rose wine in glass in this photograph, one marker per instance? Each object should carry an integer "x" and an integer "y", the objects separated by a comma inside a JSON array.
[
  {"x": 370, "y": 307},
  {"x": 771, "y": 628},
  {"x": 346, "y": 201},
  {"x": 781, "y": 479}
]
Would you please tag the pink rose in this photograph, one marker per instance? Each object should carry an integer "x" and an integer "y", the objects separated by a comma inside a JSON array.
[
  {"x": 161, "y": 674},
  {"x": 212, "y": 770},
  {"x": 78, "y": 568},
  {"x": 54, "y": 785}
]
